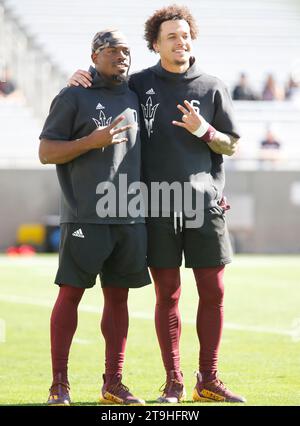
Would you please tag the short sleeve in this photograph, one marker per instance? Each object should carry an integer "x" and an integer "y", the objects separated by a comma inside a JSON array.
[
  {"x": 224, "y": 120},
  {"x": 60, "y": 121}
]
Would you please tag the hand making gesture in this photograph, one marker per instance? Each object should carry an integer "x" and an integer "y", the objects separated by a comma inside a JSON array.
[{"x": 191, "y": 120}]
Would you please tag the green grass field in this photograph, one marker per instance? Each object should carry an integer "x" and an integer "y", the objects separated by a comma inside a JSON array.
[{"x": 260, "y": 352}]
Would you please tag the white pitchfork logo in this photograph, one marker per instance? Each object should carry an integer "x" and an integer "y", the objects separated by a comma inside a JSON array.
[
  {"x": 103, "y": 121},
  {"x": 149, "y": 114}
]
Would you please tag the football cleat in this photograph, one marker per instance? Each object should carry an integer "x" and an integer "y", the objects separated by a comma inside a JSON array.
[
  {"x": 115, "y": 392},
  {"x": 59, "y": 393},
  {"x": 173, "y": 390},
  {"x": 214, "y": 391}
]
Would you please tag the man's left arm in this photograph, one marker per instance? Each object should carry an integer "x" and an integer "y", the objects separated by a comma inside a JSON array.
[
  {"x": 223, "y": 143},
  {"x": 221, "y": 136}
]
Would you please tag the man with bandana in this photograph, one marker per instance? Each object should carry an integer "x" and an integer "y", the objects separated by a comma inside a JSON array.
[{"x": 92, "y": 136}]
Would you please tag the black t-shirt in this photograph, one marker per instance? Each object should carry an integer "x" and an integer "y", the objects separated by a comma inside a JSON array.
[
  {"x": 171, "y": 153},
  {"x": 76, "y": 112}
]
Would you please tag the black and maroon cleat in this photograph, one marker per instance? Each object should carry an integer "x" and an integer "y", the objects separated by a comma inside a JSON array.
[
  {"x": 114, "y": 392},
  {"x": 214, "y": 391},
  {"x": 173, "y": 390},
  {"x": 59, "y": 393}
]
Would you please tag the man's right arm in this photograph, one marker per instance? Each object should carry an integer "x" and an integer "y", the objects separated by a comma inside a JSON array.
[
  {"x": 81, "y": 78},
  {"x": 61, "y": 151}
]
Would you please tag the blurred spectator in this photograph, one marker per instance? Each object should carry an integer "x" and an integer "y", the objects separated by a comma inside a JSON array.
[
  {"x": 292, "y": 89},
  {"x": 7, "y": 86},
  {"x": 242, "y": 91},
  {"x": 270, "y": 141},
  {"x": 271, "y": 91},
  {"x": 270, "y": 149}
]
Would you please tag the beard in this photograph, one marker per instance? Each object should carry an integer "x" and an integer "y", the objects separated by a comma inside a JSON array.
[
  {"x": 120, "y": 78},
  {"x": 181, "y": 62},
  {"x": 115, "y": 79}
]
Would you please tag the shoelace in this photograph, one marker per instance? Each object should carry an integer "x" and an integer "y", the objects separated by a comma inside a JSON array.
[
  {"x": 168, "y": 384},
  {"x": 119, "y": 386},
  {"x": 60, "y": 384},
  {"x": 220, "y": 385}
]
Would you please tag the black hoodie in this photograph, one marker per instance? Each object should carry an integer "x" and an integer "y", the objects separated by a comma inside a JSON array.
[
  {"x": 76, "y": 112},
  {"x": 170, "y": 153}
]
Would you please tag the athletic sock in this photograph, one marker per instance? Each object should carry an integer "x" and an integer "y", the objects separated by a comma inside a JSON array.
[{"x": 63, "y": 325}]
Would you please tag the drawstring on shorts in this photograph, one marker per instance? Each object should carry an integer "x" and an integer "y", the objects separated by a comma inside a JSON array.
[{"x": 180, "y": 217}]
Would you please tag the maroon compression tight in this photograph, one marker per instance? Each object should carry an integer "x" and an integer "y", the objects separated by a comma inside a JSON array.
[
  {"x": 209, "y": 317},
  {"x": 114, "y": 326},
  {"x": 63, "y": 325},
  {"x": 167, "y": 316}
]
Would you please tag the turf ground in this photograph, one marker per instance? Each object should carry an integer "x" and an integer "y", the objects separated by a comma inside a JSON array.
[{"x": 260, "y": 352}]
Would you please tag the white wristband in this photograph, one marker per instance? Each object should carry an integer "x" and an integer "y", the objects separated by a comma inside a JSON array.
[{"x": 202, "y": 129}]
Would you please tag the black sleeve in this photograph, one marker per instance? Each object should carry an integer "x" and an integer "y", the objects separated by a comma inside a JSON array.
[
  {"x": 224, "y": 115},
  {"x": 60, "y": 121},
  {"x": 132, "y": 86},
  {"x": 131, "y": 82}
]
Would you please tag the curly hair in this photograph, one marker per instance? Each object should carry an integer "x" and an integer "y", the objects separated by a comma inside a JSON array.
[{"x": 169, "y": 13}]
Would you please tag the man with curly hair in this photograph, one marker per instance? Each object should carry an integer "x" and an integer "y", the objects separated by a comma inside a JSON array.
[{"x": 188, "y": 126}]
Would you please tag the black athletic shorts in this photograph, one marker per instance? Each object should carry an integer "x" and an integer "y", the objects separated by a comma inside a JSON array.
[
  {"x": 203, "y": 247},
  {"x": 117, "y": 253}
]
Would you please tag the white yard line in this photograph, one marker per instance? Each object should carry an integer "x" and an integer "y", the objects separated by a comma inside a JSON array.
[
  {"x": 82, "y": 341},
  {"x": 239, "y": 261},
  {"x": 294, "y": 333},
  {"x": 2, "y": 331},
  {"x": 29, "y": 261}
]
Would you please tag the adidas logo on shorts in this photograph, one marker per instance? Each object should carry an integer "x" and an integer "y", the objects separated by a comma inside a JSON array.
[{"x": 78, "y": 233}]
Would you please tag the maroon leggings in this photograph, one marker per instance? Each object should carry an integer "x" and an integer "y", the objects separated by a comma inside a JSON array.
[
  {"x": 114, "y": 326},
  {"x": 209, "y": 316}
]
